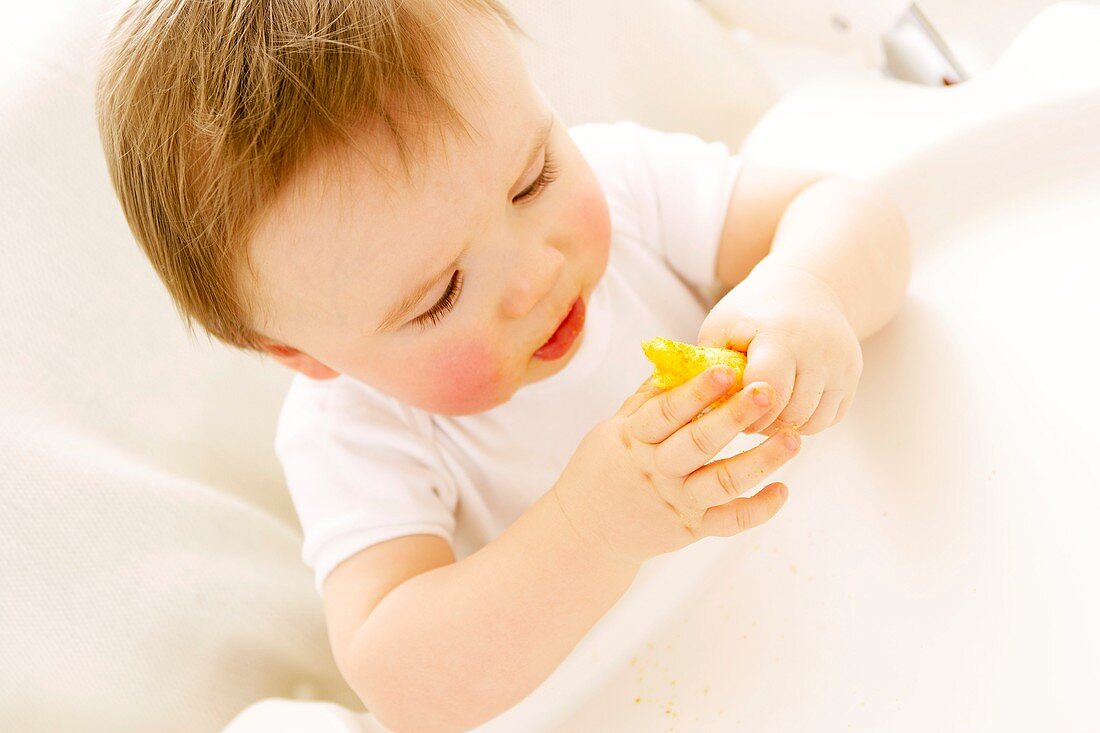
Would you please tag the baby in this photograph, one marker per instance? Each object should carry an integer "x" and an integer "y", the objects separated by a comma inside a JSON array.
[{"x": 376, "y": 194}]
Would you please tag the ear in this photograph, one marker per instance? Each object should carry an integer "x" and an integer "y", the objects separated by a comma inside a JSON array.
[{"x": 300, "y": 361}]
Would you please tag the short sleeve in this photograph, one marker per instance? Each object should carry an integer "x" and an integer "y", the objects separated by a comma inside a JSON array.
[
  {"x": 679, "y": 186},
  {"x": 360, "y": 470}
]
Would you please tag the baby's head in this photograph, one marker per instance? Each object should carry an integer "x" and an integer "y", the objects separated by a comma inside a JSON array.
[{"x": 370, "y": 187}]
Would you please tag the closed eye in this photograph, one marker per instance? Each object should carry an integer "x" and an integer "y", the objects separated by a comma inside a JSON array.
[
  {"x": 436, "y": 313},
  {"x": 547, "y": 175}
]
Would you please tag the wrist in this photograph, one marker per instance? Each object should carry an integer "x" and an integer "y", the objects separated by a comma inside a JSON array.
[
  {"x": 782, "y": 277},
  {"x": 583, "y": 524}
]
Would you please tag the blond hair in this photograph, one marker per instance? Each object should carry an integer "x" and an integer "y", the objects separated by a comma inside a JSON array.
[{"x": 206, "y": 106}]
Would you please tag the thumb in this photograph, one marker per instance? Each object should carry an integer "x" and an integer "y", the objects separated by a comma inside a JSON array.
[{"x": 727, "y": 330}]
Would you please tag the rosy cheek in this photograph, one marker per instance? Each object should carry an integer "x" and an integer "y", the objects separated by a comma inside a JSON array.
[
  {"x": 591, "y": 216},
  {"x": 592, "y": 210},
  {"x": 464, "y": 376}
]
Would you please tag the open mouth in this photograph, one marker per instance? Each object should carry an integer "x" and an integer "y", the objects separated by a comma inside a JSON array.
[{"x": 565, "y": 334}]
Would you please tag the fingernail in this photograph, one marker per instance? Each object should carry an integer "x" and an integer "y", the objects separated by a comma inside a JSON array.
[
  {"x": 722, "y": 377},
  {"x": 761, "y": 397},
  {"x": 791, "y": 439}
]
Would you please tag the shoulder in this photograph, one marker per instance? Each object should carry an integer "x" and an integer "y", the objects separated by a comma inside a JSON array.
[
  {"x": 607, "y": 137},
  {"x": 644, "y": 165},
  {"x": 672, "y": 188},
  {"x": 618, "y": 154},
  {"x": 613, "y": 148},
  {"x": 627, "y": 144},
  {"x": 342, "y": 403}
]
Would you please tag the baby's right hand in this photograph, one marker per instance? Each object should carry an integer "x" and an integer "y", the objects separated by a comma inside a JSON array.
[{"x": 639, "y": 484}]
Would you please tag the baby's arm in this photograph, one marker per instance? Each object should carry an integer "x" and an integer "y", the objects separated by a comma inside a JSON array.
[
  {"x": 430, "y": 644},
  {"x": 815, "y": 264},
  {"x": 849, "y": 234},
  {"x": 846, "y": 233},
  {"x": 434, "y": 645}
]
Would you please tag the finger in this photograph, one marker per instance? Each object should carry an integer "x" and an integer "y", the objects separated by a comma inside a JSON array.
[
  {"x": 808, "y": 389},
  {"x": 768, "y": 431},
  {"x": 696, "y": 443},
  {"x": 666, "y": 413},
  {"x": 646, "y": 390},
  {"x": 825, "y": 414},
  {"x": 726, "y": 331},
  {"x": 723, "y": 481},
  {"x": 745, "y": 513},
  {"x": 773, "y": 363}
]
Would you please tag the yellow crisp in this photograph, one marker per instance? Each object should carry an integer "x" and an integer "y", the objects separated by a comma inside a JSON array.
[{"x": 678, "y": 362}]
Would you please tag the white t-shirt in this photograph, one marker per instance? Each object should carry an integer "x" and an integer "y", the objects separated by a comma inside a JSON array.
[{"x": 363, "y": 468}]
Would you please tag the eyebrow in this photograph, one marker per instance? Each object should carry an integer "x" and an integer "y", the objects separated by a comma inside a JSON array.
[{"x": 403, "y": 308}]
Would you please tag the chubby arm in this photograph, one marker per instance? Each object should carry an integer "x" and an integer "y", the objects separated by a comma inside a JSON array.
[
  {"x": 430, "y": 644},
  {"x": 815, "y": 264},
  {"x": 848, "y": 235}
]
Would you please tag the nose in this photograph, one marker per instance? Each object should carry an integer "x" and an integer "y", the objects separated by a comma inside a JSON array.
[{"x": 533, "y": 280}]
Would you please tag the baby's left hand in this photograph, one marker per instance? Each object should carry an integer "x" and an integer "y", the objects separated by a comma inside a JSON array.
[{"x": 793, "y": 328}]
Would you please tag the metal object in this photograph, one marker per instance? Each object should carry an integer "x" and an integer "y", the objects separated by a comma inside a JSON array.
[
  {"x": 938, "y": 41},
  {"x": 915, "y": 51}
]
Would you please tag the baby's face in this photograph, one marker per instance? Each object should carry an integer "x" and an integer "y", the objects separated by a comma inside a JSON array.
[{"x": 439, "y": 289}]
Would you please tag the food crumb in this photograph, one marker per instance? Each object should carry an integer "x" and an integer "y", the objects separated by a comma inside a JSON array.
[
  {"x": 794, "y": 569},
  {"x": 637, "y": 700},
  {"x": 706, "y": 690}
]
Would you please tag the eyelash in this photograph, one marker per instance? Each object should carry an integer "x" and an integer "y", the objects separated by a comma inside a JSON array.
[
  {"x": 435, "y": 314},
  {"x": 548, "y": 175}
]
